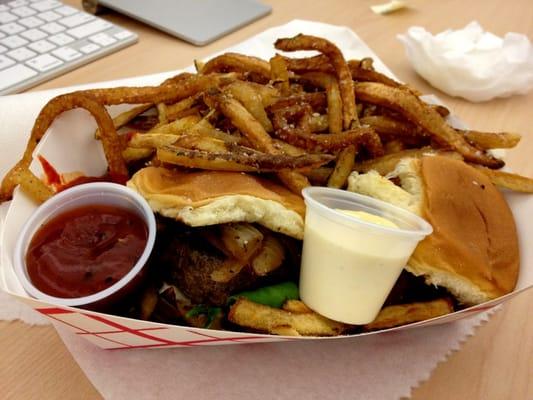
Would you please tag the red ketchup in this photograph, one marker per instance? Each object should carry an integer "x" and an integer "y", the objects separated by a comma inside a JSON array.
[{"x": 85, "y": 250}]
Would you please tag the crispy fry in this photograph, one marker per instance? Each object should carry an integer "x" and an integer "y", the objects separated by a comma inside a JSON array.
[
  {"x": 151, "y": 140},
  {"x": 131, "y": 154},
  {"x": 297, "y": 135},
  {"x": 228, "y": 62},
  {"x": 425, "y": 117},
  {"x": 110, "y": 140},
  {"x": 175, "y": 110},
  {"x": 270, "y": 256},
  {"x": 33, "y": 186},
  {"x": 296, "y": 306},
  {"x": 252, "y": 101},
  {"x": 318, "y": 63},
  {"x": 329, "y": 83},
  {"x": 492, "y": 140},
  {"x": 268, "y": 319},
  {"x": 254, "y": 131},
  {"x": 280, "y": 74},
  {"x": 242, "y": 119},
  {"x": 176, "y": 127},
  {"x": 507, "y": 180},
  {"x": 367, "y": 63},
  {"x": 403, "y": 314},
  {"x": 162, "y": 113},
  {"x": 125, "y": 117},
  {"x": 305, "y": 42},
  {"x": 318, "y": 123},
  {"x": 343, "y": 167},
  {"x": 238, "y": 159},
  {"x": 170, "y": 92}
]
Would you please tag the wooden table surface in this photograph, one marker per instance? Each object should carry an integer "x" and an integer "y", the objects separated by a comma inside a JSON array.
[{"x": 497, "y": 363}]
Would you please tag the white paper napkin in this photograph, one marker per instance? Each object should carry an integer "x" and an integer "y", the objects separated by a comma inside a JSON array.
[
  {"x": 470, "y": 62},
  {"x": 383, "y": 366}
]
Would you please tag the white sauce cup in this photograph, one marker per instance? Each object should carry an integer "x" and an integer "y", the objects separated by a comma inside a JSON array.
[{"x": 349, "y": 266}]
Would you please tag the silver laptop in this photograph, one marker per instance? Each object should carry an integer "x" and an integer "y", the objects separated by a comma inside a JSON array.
[{"x": 196, "y": 21}]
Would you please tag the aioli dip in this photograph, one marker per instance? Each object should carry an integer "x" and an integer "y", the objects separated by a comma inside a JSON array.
[{"x": 351, "y": 259}]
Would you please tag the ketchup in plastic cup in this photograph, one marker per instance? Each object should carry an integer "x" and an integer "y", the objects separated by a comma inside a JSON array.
[
  {"x": 349, "y": 265},
  {"x": 102, "y": 222}
]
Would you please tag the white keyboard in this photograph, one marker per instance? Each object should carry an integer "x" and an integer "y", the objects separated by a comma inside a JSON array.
[{"x": 41, "y": 39}]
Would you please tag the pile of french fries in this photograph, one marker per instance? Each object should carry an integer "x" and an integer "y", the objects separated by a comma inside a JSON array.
[{"x": 303, "y": 121}]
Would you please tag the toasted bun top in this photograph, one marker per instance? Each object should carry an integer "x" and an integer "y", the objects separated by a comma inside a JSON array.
[
  {"x": 214, "y": 197},
  {"x": 474, "y": 237}
]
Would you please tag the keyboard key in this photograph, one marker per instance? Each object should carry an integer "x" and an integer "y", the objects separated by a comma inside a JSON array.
[
  {"x": 17, "y": 3},
  {"x": 21, "y": 54},
  {"x": 42, "y": 46},
  {"x": 14, "y": 75},
  {"x": 123, "y": 35},
  {"x": 12, "y": 28},
  {"x": 2, "y": 49},
  {"x": 6, "y": 17},
  {"x": 49, "y": 16},
  {"x": 52, "y": 28},
  {"x": 66, "y": 53},
  {"x": 23, "y": 11},
  {"x": 33, "y": 35},
  {"x": 90, "y": 28},
  {"x": 13, "y": 41},
  {"x": 5, "y": 62},
  {"x": 31, "y": 22},
  {"x": 66, "y": 10},
  {"x": 76, "y": 19},
  {"x": 89, "y": 48},
  {"x": 103, "y": 39},
  {"x": 45, "y": 5},
  {"x": 3, "y": 7},
  {"x": 44, "y": 62},
  {"x": 61, "y": 39},
  {"x": 2, "y": 35}
]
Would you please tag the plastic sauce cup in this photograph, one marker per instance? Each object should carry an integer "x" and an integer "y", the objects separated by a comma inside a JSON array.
[
  {"x": 98, "y": 193},
  {"x": 349, "y": 266}
]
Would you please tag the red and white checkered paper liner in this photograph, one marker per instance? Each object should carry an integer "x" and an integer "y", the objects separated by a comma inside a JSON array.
[{"x": 17, "y": 114}]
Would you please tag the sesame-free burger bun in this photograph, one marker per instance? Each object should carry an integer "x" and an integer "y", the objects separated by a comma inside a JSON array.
[
  {"x": 473, "y": 250},
  {"x": 216, "y": 197}
]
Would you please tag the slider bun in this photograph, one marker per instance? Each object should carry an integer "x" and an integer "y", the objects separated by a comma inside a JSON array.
[
  {"x": 216, "y": 197},
  {"x": 473, "y": 250}
]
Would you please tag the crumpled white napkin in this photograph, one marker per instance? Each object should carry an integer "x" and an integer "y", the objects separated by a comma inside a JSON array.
[{"x": 470, "y": 62}]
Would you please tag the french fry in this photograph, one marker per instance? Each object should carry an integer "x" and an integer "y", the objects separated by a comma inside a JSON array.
[
  {"x": 33, "y": 186},
  {"x": 177, "y": 127},
  {"x": 255, "y": 132},
  {"x": 306, "y": 42},
  {"x": 240, "y": 63},
  {"x": 122, "y": 119},
  {"x": 329, "y": 83},
  {"x": 425, "y": 117},
  {"x": 270, "y": 256},
  {"x": 238, "y": 159},
  {"x": 507, "y": 180},
  {"x": 343, "y": 167},
  {"x": 403, "y": 314},
  {"x": 268, "y": 319},
  {"x": 252, "y": 101},
  {"x": 280, "y": 74},
  {"x": 492, "y": 140},
  {"x": 131, "y": 154}
]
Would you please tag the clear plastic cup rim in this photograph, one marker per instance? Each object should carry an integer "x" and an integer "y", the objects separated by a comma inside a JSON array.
[
  {"x": 50, "y": 209},
  {"x": 421, "y": 227}
]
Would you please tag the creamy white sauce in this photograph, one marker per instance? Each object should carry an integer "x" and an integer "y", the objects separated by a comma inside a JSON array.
[{"x": 347, "y": 273}]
